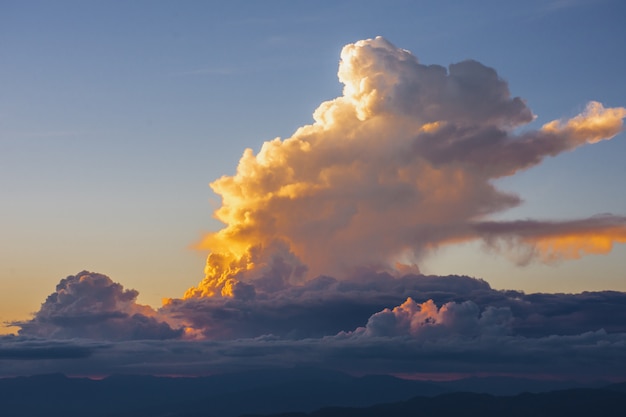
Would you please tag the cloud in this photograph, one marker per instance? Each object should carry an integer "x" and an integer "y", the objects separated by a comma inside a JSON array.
[
  {"x": 371, "y": 323},
  {"x": 590, "y": 355},
  {"x": 401, "y": 163},
  {"x": 318, "y": 259},
  {"x": 380, "y": 79},
  {"x": 427, "y": 321},
  {"x": 91, "y": 305},
  {"x": 561, "y": 355},
  {"x": 554, "y": 241},
  {"x": 21, "y": 348},
  {"x": 593, "y": 125},
  {"x": 326, "y": 306},
  {"x": 320, "y": 307}
]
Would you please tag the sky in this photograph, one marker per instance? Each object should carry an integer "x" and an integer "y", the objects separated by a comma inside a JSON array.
[{"x": 482, "y": 144}]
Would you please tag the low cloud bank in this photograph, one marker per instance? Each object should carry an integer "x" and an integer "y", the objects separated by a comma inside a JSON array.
[{"x": 374, "y": 323}]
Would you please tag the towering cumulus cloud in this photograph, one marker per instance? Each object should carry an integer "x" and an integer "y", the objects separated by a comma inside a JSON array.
[
  {"x": 402, "y": 162},
  {"x": 316, "y": 261}
]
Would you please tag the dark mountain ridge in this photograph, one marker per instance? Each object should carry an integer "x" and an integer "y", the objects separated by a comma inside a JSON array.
[
  {"x": 230, "y": 395},
  {"x": 566, "y": 403}
]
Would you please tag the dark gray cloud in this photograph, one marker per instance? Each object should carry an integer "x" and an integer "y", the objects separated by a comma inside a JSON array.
[
  {"x": 322, "y": 306},
  {"x": 21, "y": 348},
  {"x": 326, "y": 306},
  {"x": 370, "y": 323},
  {"x": 589, "y": 355},
  {"x": 91, "y": 305}
]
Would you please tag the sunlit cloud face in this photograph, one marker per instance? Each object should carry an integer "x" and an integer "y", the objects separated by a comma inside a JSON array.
[{"x": 401, "y": 163}]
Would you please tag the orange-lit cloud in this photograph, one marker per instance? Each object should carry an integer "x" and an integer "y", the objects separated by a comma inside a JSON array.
[
  {"x": 554, "y": 241},
  {"x": 593, "y": 125},
  {"x": 399, "y": 164}
]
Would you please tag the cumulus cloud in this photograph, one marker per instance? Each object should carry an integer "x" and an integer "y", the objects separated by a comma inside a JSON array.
[
  {"x": 451, "y": 324},
  {"x": 317, "y": 261},
  {"x": 328, "y": 306},
  {"x": 91, "y": 305},
  {"x": 427, "y": 321},
  {"x": 401, "y": 163}
]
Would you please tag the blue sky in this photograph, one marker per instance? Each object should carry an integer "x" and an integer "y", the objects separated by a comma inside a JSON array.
[{"x": 115, "y": 116}]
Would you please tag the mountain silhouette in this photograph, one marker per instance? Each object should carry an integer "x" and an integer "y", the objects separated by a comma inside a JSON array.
[
  {"x": 299, "y": 390},
  {"x": 566, "y": 403}
]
